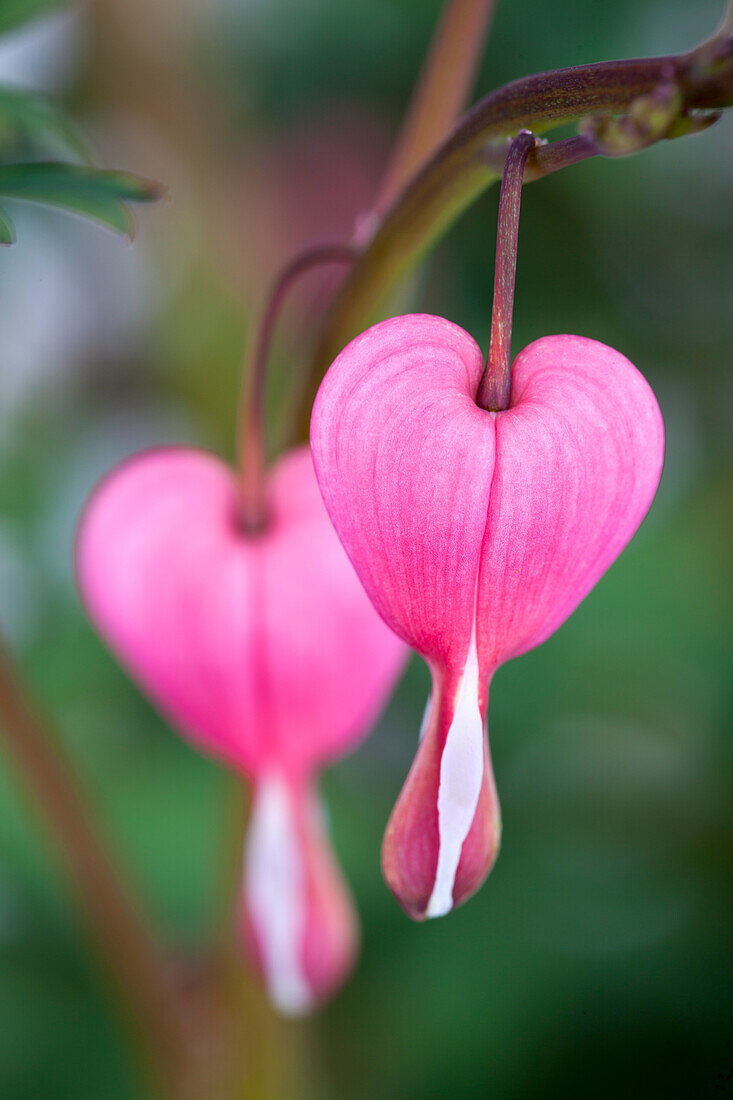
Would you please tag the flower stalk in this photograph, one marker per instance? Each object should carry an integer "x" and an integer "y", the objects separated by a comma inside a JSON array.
[
  {"x": 252, "y": 444},
  {"x": 495, "y": 387}
]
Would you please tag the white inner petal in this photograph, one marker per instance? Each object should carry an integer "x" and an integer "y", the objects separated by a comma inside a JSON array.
[
  {"x": 461, "y": 773},
  {"x": 274, "y": 882}
]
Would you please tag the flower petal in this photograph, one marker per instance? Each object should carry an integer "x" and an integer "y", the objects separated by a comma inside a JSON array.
[
  {"x": 579, "y": 455},
  {"x": 443, "y": 835},
  {"x": 265, "y": 651},
  {"x": 404, "y": 458},
  {"x": 298, "y": 918}
]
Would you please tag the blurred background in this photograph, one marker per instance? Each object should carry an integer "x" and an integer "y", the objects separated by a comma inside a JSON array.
[{"x": 597, "y": 958}]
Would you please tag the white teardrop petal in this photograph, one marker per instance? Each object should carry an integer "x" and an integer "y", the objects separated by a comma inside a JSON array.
[
  {"x": 274, "y": 882},
  {"x": 461, "y": 775}
]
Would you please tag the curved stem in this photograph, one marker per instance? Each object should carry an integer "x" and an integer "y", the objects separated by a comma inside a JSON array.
[
  {"x": 495, "y": 386},
  {"x": 125, "y": 944},
  {"x": 252, "y": 403},
  {"x": 466, "y": 164}
]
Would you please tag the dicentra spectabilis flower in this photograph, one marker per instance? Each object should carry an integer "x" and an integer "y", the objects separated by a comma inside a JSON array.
[
  {"x": 264, "y": 650},
  {"x": 476, "y": 534}
]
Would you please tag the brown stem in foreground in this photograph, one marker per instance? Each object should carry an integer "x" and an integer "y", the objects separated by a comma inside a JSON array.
[
  {"x": 496, "y": 383},
  {"x": 441, "y": 92},
  {"x": 129, "y": 955},
  {"x": 253, "y": 513}
]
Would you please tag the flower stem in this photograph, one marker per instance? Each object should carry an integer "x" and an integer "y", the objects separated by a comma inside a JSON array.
[
  {"x": 253, "y": 514},
  {"x": 130, "y": 957},
  {"x": 466, "y": 164},
  {"x": 495, "y": 387},
  {"x": 441, "y": 92}
]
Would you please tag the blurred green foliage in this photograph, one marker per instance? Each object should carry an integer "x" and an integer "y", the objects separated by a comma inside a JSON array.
[
  {"x": 14, "y": 13},
  {"x": 98, "y": 195},
  {"x": 30, "y": 122},
  {"x": 597, "y": 959},
  {"x": 32, "y": 127}
]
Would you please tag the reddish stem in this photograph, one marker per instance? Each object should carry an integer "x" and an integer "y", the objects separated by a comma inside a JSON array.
[
  {"x": 253, "y": 514},
  {"x": 495, "y": 386},
  {"x": 131, "y": 956}
]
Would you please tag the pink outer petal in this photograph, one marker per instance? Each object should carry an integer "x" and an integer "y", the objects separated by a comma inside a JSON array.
[
  {"x": 265, "y": 651},
  {"x": 298, "y": 920},
  {"x": 404, "y": 458},
  {"x": 579, "y": 457}
]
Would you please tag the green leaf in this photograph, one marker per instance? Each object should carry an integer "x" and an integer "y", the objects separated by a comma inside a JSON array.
[
  {"x": 99, "y": 195},
  {"x": 34, "y": 121},
  {"x": 15, "y": 12},
  {"x": 7, "y": 229}
]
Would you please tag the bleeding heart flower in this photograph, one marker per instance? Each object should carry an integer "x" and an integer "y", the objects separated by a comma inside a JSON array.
[
  {"x": 475, "y": 534},
  {"x": 265, "y": 651}
]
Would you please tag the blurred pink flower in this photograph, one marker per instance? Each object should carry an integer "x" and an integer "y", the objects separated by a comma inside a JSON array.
[
  {"x": 475, "y": 534},
  {"x": 300, "y": 187},
  {"x": 265, "y": 651}
]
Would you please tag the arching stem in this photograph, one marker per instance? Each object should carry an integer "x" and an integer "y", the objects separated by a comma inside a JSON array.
[
  {"x": 467, "y": 163},
  {"x": 495, "y": 386},
  {"x": 253, "y": 514}
]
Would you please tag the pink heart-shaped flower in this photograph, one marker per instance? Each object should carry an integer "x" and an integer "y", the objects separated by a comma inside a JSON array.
[
  {"x": 265, "y": 652},
  {"x": 475, "y": 534}
]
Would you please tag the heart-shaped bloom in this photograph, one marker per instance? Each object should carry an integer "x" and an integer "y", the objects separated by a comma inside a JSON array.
[
  {"x": 265, "y": 652},
  {"x": 475, "y": 534}
]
